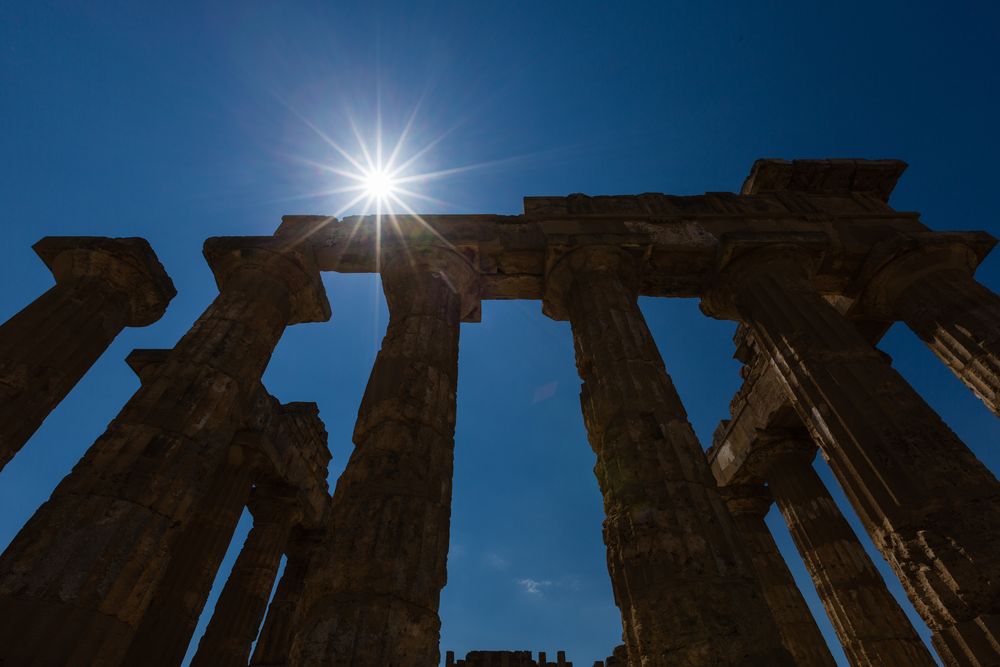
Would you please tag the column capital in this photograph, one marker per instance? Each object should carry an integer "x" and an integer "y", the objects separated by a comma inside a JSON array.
[
  {"x": 400, "y": 265},
  {"x": 747, "y": 499},
  {"x": 125, "y": 265},
  {"x": 292, "y": 263},
  {"x": 743, "y": 257},
  {"x": 776, "y": 445},
  {"x": 562, "y": 268},
  {"x": 897, "y": 263}
]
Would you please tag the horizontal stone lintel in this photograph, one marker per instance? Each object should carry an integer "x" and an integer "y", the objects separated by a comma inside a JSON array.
[{"x": 513, "y": 252}]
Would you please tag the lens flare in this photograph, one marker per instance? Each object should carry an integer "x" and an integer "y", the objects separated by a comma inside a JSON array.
[{"x": 379, "y": 184}]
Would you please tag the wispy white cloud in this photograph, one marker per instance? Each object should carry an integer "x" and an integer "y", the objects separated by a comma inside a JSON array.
[{"x": 533, "y": 586}]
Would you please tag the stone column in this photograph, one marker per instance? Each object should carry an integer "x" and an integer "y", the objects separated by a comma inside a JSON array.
[
  {"x": 749, "y": 505},
  {"x": 165, "y": 632},
  {"x": 238, "y": 613},
  {"x": 931, "y": 288},
  {"x": 872, "y": 627},
  {"x": 680, "y": 574},
  {"x": 931, "y": 507},
  {"x": 102, "y": 286},
  {"x": 77, "y": 579},
  {"x": 374, "y": 598},
  {"x": 275, "y": 640}
]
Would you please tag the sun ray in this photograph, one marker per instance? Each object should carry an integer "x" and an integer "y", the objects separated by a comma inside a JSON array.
[
  {"x": 348, "y": 205},
  {"x": 403, "y": 137},
  {"x": 419, "y": 218},
  {"x": 417, "y": 195},
  {"x": 326, "y": 138},
  {"x": 362, "y": 144}
]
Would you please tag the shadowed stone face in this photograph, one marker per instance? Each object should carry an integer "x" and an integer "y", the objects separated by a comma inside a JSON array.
[
  {"x": 102, "y": 286},
  {"x": 116, "y": 566},
  {"x": 799, "y": 633},
  {"x": 374, "y": 597},
  {"x": 679, "y": 571},
  {"x": 106, "y": 534},
  {"x": 908, "y": 475}
]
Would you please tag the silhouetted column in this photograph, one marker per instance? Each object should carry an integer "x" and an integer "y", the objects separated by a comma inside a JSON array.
[
  {"x": 680, "y": 574},
  {"x": 275, "y": 640},
  {"x": 102, "y": 286},
  {"x": 931, "y": 507},
  {"x": 931, "y": 288},
  {"x": 872, "y": 627},
  {"x": 374, "y": 598},
  {"x": 76, "y": 580},
  {"x": 169, "y": 622},
  {"x": 749, "y": 505},
  {"x": 238, "y": 613}
]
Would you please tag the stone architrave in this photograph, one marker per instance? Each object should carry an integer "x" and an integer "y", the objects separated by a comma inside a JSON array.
[
  {"x": 373, "y": 600},
  {"x": 240, "y": 609},
  {"x": 871, "y": 626},
  {"x": 102, "y": 286},
  {"x": 106, "y": 536},
  {"x": 749, "y": 504},
  {"x": 680, "y": 574},
  {"x": 929, "y": 285},
  {"x": 275, "y": 640},
  {"x": 931, "y": 507}
]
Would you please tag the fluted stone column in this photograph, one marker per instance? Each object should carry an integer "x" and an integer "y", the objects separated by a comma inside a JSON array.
[
  {"x": 680, "y": 574},
  {"x": 749, "y": 505},
  {"x": 931, "y": 507},
  {"x": 275, "y": 640},
  {"x": 77, "y": 579},
  {"x": 102, "y": 286},
  {"x": 373, "y": 600},
  {"x": 931, "y": 288},
  {"x": 165, "y": 632},
  {"x": 238, "y": 613},
  {"x": 870, "y": 624}
]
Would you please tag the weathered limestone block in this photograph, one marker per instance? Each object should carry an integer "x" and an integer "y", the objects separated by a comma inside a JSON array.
[
  {"x": 870, "y": 624},
  {"x": 275, "y": 640},
  {"x": 102, "y": 286},
  {"x": 680, "y": 574},
  {"x": 931, "y": 507},
  {"x": 76, "y": 580},
  {"x": 238, "y": 613},
  {"x": 374, "y": 598},
  {"x": 926, "y": 281},
  {"x": 749, "y": 505}
]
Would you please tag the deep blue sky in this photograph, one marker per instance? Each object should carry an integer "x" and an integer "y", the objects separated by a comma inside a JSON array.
[{"x": 177, "y": 121}]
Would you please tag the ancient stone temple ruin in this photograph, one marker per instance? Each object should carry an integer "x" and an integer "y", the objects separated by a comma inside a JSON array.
[{"x": 809, "y": 258}]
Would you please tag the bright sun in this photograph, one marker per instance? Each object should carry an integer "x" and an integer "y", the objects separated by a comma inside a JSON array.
[
  {"x": 378, "y": 181},
  {"x": 379, "y": 184}
]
